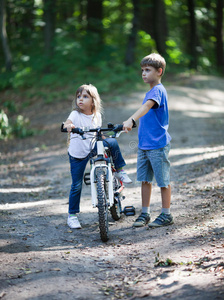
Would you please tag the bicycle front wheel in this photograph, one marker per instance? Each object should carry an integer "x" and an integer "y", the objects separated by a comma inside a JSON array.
[{"x": 102, "y": 205}]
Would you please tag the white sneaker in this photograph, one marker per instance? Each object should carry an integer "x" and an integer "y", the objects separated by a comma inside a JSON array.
[
  {"x": 123, "y": 176},
  {"x": 73, "y": 222}
]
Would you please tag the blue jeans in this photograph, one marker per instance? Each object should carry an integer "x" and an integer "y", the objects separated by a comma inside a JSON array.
[{"x": 77, "y": 167}]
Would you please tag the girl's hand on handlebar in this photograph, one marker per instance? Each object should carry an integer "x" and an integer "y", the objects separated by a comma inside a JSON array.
[
  {"x": 127, "y": 125},
  {"x": 69, "y": 127}
]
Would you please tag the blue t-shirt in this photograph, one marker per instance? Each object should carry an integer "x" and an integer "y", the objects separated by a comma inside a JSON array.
[{"x": 153, "y": 126}]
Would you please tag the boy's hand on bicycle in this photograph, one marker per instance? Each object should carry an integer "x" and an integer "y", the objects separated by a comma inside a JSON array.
[{"x": 127, "y": 125}]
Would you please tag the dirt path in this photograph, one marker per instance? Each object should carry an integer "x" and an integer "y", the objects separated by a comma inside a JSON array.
[{"x": 41, "y": 258}]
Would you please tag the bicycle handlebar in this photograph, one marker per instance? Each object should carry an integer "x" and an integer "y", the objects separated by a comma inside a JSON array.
[{"x": 110, "y": 127}]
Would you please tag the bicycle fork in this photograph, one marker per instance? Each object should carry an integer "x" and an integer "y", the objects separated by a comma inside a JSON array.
[{"x": 109, "y": 181}]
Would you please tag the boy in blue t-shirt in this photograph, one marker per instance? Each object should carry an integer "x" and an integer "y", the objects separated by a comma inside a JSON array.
[{"x": 154, "y": 141}]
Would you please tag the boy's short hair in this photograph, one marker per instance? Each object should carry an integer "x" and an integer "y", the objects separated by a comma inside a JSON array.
[{"x": 154, "y": 60}]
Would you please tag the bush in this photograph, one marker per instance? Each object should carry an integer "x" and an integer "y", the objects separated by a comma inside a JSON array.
[
  {"x": 21, "y": 127},
  {"x": 5, "y": 129}
]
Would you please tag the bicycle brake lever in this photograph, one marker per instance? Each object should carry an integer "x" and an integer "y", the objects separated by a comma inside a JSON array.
[{"x": 118, "y": 133}]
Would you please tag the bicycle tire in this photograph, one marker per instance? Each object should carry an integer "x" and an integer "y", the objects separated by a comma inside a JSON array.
[
  {"x": 102, "y": 205},
  {"x": 116, "y": 208}
]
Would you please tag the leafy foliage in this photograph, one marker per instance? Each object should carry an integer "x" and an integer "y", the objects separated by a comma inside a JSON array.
[
  {"x": 5, "y": 130},
  {"x": 82, "y": 55},
  {"x": 21, "y": 127}
]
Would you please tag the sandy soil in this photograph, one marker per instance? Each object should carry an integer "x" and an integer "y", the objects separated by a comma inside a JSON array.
[{"x": 41, "y": 258}]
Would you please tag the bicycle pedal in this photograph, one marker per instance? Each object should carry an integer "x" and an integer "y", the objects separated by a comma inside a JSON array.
[
  {"x": 87, "y": 179},
  {"x": 129, "y": 210}
]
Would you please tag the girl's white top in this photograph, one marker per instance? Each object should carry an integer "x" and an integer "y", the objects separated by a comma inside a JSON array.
[{"x": 78, "y": 147}]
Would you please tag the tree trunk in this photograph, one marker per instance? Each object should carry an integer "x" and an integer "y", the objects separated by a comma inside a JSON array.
[
  {"x": 193, "y": 36},
  {"x": 94, "y": 38},
  {"x": 130, "y": 53},
  {"x": 146, "y": 17},
  {"x": 219, "y": 34},
  {"x": 49, "y": 19},
  {"x": 160, "y": 26},
  {"x": 65, "y": 9},
  {"x": 154, "y": 22},
  {"x": 6, "y": 49},
  {"x": 27, "y": 21},
  {"x": 94, "y": 16}
]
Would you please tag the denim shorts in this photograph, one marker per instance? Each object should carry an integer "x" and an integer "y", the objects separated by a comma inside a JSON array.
[{"x": 152, "y": 163}]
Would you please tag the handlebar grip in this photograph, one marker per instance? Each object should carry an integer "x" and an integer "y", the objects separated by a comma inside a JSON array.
[
  {"x": 74, "y": 130},
  {"x": 63, "y": 129},
  {"x": 77, "y": 130},
  {"x": 118, "y": 127}
]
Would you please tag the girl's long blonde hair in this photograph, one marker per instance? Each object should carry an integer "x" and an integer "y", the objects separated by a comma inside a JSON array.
[
  {"x": 97, "y": 105},
  {"x": 92, "y": 91}
]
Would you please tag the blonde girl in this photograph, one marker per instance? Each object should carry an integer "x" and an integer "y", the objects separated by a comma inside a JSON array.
[{"x": 87, "y": 109}]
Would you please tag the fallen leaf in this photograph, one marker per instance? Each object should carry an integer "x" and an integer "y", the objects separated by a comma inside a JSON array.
[{"x": 2, "y": 295}]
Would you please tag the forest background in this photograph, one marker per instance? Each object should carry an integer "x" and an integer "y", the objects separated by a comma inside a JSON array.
[{"x": 49, "y": 47}]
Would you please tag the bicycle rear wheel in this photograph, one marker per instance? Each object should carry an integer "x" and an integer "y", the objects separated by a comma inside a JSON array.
[
  {"x": 102, "y": 205},
  {"x": 116, "y": 209}
]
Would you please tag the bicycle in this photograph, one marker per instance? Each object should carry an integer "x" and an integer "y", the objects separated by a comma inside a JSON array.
[{"x": 105, "y": 187}]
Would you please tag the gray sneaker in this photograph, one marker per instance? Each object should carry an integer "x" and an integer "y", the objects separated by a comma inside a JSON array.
[
  {"x": 162, "y": 220},
  {"x": 123, "y": 176},
  {"x": 142, "y": 220}
]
